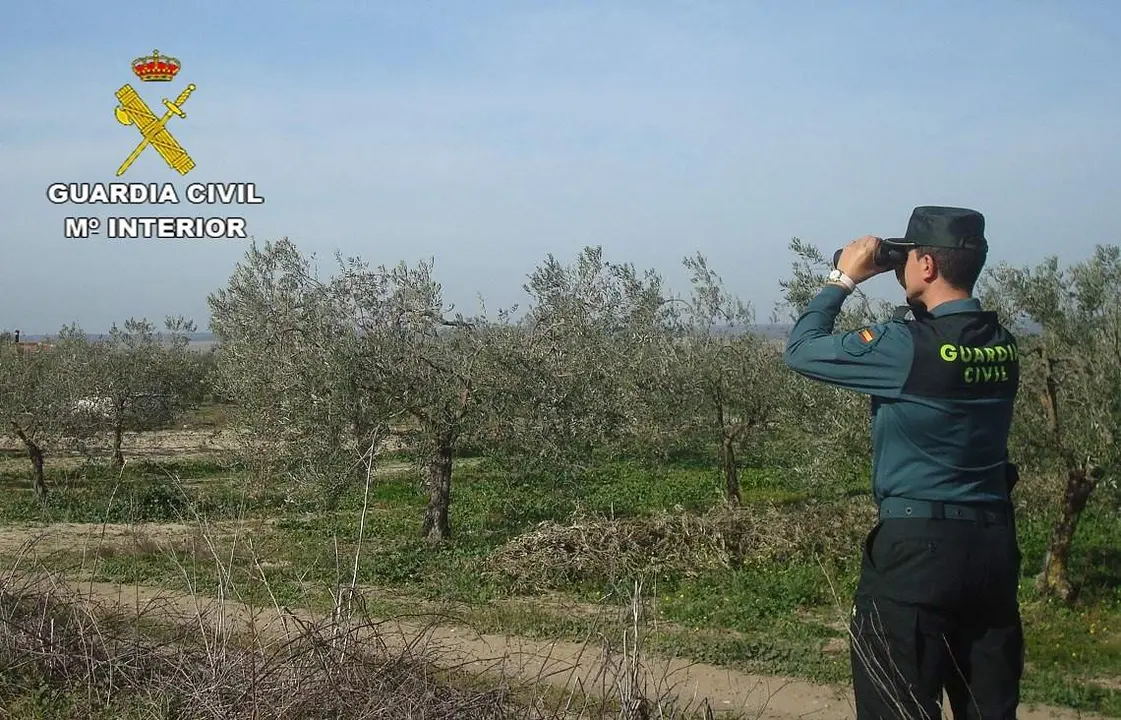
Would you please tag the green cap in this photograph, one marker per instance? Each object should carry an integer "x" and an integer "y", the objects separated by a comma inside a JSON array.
[{"x": 948, "y": 227}]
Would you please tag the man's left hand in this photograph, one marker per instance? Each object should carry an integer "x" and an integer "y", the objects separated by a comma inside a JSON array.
[{"x": 858, "y": 259}]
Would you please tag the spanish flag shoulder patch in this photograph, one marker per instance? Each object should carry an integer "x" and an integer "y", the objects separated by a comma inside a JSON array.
[{"x": 866, "y": 335}]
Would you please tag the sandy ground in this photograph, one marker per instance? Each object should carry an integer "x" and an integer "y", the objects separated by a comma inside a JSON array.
[
  {"x": 40, "y": 541},
  {"x": 182, "y": 443},
  {"x": 566, "y": 665},
  {"x": 177, "y": 444}
]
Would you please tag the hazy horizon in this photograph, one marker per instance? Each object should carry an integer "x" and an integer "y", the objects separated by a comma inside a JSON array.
[{"x": 490, "y": 135}]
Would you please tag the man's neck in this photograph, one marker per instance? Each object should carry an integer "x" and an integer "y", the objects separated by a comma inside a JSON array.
[{"x": 936, "y": 296}]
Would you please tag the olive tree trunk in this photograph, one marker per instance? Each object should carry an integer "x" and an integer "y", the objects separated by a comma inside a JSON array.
[
  {"x": 1054, "y": 579},
  {"x": 35, "y": 454},
  {"x": 118, "y": 441},
  {"x": 437, "y": 526},
  {"x": 731, "y": 472},
  {"x": 1055, "y": 576}
]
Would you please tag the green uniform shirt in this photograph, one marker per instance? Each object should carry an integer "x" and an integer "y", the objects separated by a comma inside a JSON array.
[{"x": 942, "y": 394}]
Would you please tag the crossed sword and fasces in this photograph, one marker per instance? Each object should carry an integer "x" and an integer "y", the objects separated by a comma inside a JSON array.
[{"x": 174, "y": 155}]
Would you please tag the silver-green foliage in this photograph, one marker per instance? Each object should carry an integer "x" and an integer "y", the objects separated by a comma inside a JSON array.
[
  {"x": 142, "y": 379},
  {"x": 1068, "y": 322},
  {"x": 830, "y": 426},
  {"x": 289, "y": 359},
  {"x": 324, "y": 370},
  {"x": 578, "y": 365}
]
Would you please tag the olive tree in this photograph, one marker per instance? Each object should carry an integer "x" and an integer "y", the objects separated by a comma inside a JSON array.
[
  {"x": 576, "y": 366},
  {"x": 288, "y": 359},
  {"x": 142, "y": 379},
  {"x": 1068, "y": 324},
  {"x": 41, "y": 395},
  {"x": 365, "y": 355},
  {"x": 24, "y": 401},
  {"x": 423, "y": 358},
  {"x": 725, "y": 380}
]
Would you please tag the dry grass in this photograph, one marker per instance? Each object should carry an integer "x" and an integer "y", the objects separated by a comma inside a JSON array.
[
  {"x": 106, "y": 660},
  {"x": 185, "y": 656},
  {"x": 590, "y": 548}
]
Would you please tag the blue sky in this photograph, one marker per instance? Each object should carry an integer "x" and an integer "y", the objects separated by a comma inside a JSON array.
[{"x": 489, "y": 134}]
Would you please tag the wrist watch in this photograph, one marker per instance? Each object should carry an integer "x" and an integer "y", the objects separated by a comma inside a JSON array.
[{"x": 840, "y": 278}]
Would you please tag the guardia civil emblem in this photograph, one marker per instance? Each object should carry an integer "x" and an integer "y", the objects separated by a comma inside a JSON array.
[{"x": 132, "y": 110}]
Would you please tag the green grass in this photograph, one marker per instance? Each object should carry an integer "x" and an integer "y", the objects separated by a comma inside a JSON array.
[
  {"x": 144, "y": 491},
  {"x": 780, "y": 618}
]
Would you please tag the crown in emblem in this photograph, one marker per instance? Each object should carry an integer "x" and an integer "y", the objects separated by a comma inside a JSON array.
[{"x": 156, "y": 67}]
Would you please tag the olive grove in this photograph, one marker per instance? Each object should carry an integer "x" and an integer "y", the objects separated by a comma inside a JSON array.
[
  {"x": 324, "y": 375},
  {"x": 79, "y": 389},
  {"x": 355, "y": 363}
]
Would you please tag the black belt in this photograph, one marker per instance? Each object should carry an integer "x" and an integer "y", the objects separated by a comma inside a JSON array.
[{"x": 896, "y": 507}]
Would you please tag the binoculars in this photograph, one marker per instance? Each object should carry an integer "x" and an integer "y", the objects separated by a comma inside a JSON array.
[{"x": 887, "y": 256}]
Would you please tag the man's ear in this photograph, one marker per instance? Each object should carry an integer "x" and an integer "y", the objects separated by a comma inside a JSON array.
[{"x": 928, "y": 267}]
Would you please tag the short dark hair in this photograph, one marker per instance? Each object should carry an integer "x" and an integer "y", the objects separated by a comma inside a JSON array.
[{"x": 961, "y": 267}]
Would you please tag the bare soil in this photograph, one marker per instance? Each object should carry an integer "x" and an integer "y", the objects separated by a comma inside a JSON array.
[
  {"x": 43, "y": 540},
  {"x": 178, "y": 444}
]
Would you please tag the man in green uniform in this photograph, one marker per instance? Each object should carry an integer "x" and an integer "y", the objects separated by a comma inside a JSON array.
[{"x": 936, "y": 607}]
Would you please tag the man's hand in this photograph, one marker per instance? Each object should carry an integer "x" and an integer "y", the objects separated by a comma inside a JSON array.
[{"x": 857, "y": 259}]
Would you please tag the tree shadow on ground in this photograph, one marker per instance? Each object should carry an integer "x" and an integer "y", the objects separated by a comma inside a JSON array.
[{"x": 1097, "y": 575}]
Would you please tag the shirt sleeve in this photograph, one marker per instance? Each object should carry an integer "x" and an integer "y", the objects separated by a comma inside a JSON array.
[{"x": 874, "y": 360}]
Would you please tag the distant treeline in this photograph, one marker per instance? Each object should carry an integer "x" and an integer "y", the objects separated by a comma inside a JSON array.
[{"x": 777, "y": 331}]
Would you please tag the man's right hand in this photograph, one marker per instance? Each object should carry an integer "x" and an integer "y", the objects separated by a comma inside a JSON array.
[{"x": 858, "y": 259}]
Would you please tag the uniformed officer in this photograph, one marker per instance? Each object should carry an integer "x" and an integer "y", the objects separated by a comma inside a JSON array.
[{"x": 936, "y": 606}]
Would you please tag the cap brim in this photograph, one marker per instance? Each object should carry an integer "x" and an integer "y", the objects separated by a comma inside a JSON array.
[{"x": 905, "y": 243}]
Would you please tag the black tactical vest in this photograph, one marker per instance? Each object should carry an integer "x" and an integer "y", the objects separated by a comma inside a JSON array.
[{"x": 962, "y": 356}]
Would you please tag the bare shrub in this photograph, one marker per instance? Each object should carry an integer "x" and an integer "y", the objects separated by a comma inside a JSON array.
[{"x": 108, "y": 660}]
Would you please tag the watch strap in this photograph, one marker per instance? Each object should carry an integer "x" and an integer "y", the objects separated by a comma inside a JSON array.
[{"x": 843, "y": 280}]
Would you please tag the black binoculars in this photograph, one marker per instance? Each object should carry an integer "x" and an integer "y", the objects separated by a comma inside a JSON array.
[{"x": 887, "y": 256}]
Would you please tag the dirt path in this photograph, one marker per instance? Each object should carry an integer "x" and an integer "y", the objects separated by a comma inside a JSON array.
[
  {"x": 178, "y": 444},
  {"x": 565, "y": 665},
  {"x": 39, "y": 542}
]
